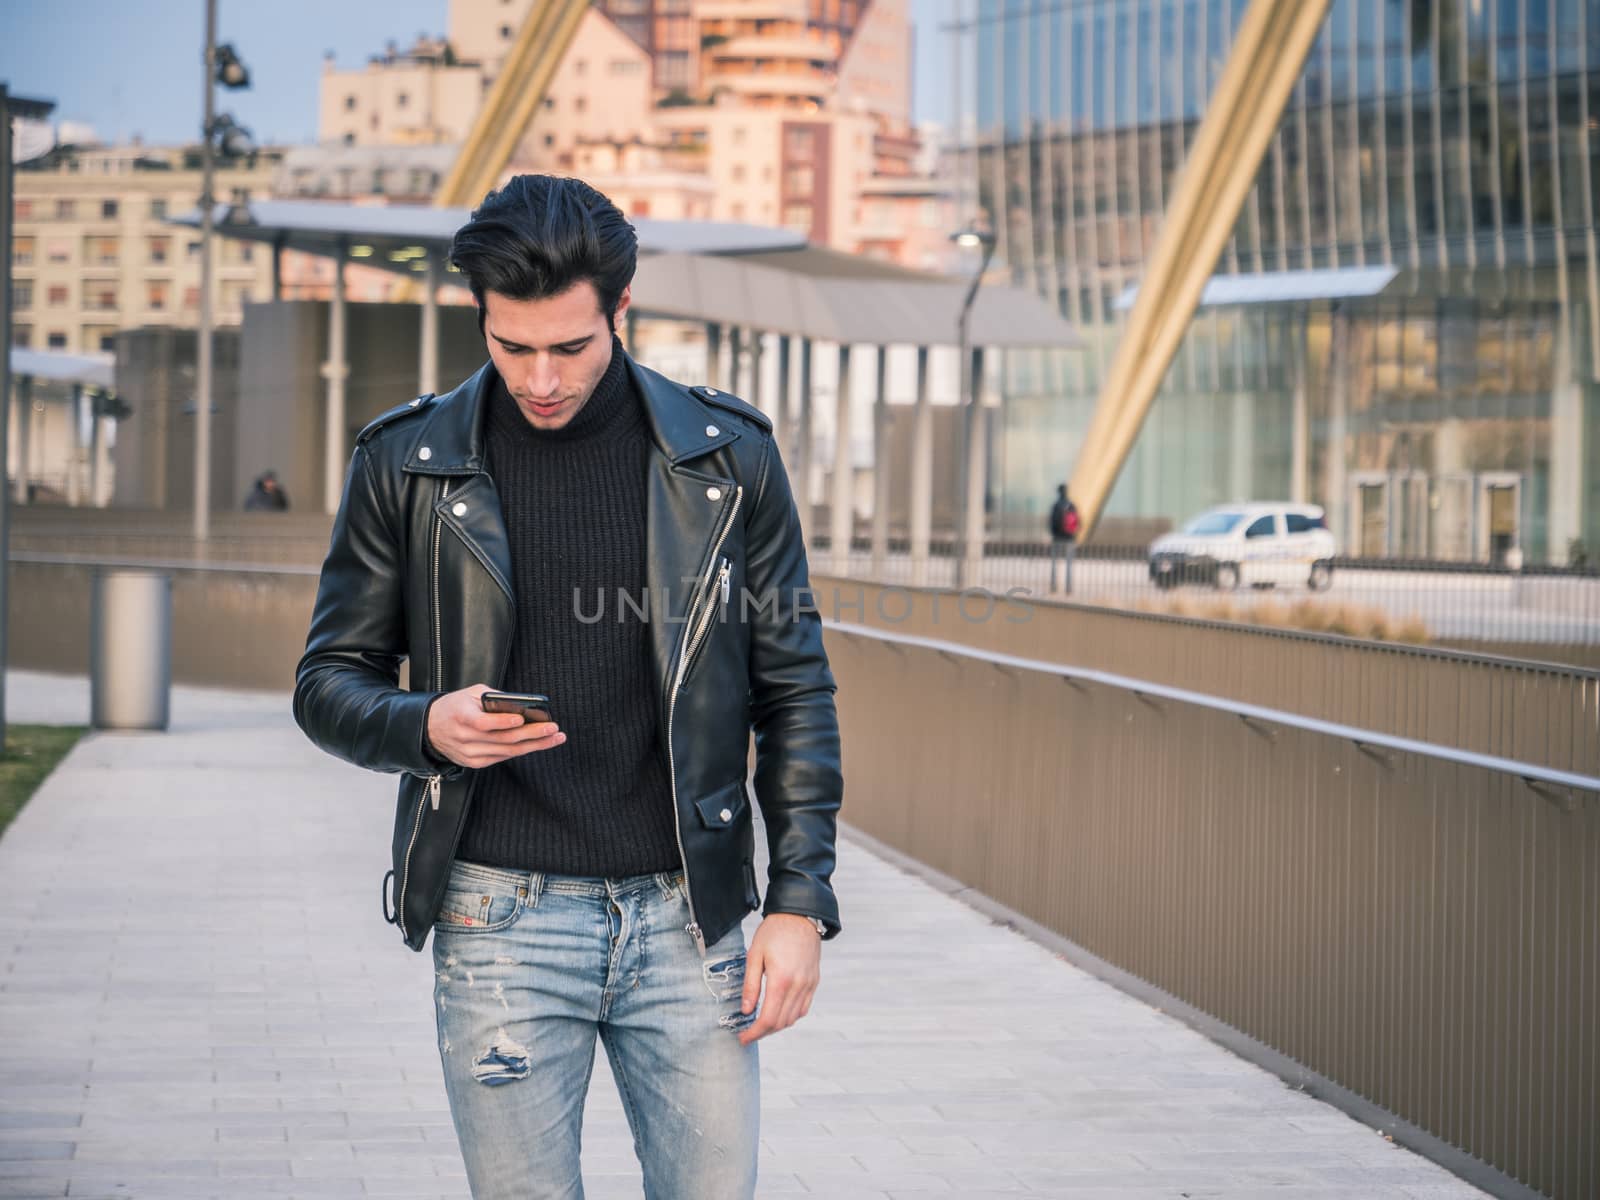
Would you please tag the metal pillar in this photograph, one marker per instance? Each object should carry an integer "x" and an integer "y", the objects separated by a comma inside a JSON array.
[
  {"x": 277, "y": 267},
  {"x": 1335, "y": 501},
  {"x": 781, "y": 421},
  {"x": 1300, "y": 430},
  {"x": 974, "y": 470},
  {"x": 921, "y": 474},
  {"x": 880, "y": 462},
  {"x": 841, "y": 514},
  {"x": 735, "y": 383},
  {"x": 75, "y": 440},
  {"x": 714, "y": 354},
  {"x": 334, "y": 371},
  {"x": 24, "y": 435},
  {"x": 803, "y": 440},
  {"x": 428, "y": 369},
  {"x": 97, "y": 445},
  {"x": 202, "y": 386}
]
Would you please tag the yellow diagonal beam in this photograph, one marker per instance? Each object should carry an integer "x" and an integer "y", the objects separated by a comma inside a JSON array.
[
  {"x": 1268, "y": 53},
  {"x": 541, "y": 43}
]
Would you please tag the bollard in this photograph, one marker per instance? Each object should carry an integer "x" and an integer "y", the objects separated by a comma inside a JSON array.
[{"x": 130, "y": 649}]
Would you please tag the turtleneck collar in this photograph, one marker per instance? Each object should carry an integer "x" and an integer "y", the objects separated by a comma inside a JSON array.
[{"x": 608, "y": 405}]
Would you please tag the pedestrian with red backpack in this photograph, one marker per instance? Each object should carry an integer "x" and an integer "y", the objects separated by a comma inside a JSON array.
[{"x": 1063, "y": 537}]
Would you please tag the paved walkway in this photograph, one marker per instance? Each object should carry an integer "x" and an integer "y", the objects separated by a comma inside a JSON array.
[{"x": 198, "y": 997}]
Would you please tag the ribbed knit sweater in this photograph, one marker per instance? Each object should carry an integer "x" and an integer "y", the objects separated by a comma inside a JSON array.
[{"x": 574, "y": 503}]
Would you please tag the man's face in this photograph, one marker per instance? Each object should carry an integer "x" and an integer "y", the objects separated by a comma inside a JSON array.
[{"x": 550, "y": 352}]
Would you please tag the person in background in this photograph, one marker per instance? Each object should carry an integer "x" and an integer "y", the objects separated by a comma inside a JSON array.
[
  {"x": 266, "y": 495},
  {"x": 1063, "y": 537}
]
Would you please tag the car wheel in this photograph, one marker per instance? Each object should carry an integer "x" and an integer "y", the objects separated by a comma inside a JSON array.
[
  {"x": 1321, "y": 577},
  {"x": 1227, "y": 577},
  {"x": 1166, "y": 581}
]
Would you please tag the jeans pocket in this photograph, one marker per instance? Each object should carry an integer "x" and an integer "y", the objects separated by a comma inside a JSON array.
[{"x": 474, "y": 903}]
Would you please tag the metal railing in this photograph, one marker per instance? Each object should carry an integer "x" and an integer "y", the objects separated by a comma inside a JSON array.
[
  {"x": 1544, "y": 613},
  {"x": 1416, "y": 922}
]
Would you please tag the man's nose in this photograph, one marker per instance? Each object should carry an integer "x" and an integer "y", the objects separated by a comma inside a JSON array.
[{"x": 543, "y": 378}]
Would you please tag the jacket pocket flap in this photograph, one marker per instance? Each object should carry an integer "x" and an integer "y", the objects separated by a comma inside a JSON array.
[{"x": 722, "y": 807}]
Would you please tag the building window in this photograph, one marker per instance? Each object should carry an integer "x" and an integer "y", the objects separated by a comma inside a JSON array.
[
  {"x": 24, "y": 210},
  {"x": 56, "y": 296},
  {"x": 736, "y": 211},
  {"x": 107, "y": 341},
  {"x": 191, "y": 298},
  {"x": 65, "y": 211},
  {"x": 57, "y": 340},
  {"x": 549, "y": 101},
  {"x": 156, "y": 294},
  {"x": 401, "y": 99},
  {"x": 580, "y": 67},
  {"x": 160, "y": 248},
  {"x": 738, "y": 172},
  {"x": 22, "y": 335},
  {"x": 22, "y": 251},
  {"x": 100, "y": 252},
  {"x": 192, "y": 249},
  {"x": 581, "y": 104},
  {"x": 505, "y": 33},
  {"x": 549, "y": 139},
  {"x": 626, "y": 66},
  {"x": 108, "y": 209},
  {"x": 158, "y": 209},
  {"x": 58, "y": 252},
  {"x": 21, "y": 294},
  {"x": 349, "y": 104},
  {"x": 100, "y": 296}
]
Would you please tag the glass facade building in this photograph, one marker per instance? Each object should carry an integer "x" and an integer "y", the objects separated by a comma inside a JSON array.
[{"x": 1452, "y": 412}]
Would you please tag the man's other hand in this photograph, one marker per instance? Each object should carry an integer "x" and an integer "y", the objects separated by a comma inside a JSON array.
[
  {"x": 459, "y": 729},
  {"x": 787, "y": 951}
]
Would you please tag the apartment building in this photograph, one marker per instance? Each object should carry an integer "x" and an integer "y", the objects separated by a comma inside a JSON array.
[
  {"x": 778, "y": 112},
  {"x": 92, "y": 252}
]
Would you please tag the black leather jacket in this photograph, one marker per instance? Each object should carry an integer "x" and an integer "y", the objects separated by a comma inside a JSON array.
[{"x": 419, "y": 567}]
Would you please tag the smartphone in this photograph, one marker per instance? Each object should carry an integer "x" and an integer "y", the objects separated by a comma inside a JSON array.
[{"x": 533, "y": 707}]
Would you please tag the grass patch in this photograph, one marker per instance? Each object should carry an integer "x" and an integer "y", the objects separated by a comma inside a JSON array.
[
  {"x": 1317, "y": 616},
  {"x": 31, "y": 753}
]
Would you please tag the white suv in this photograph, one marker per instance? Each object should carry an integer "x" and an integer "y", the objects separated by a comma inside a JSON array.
[{"x": 1248, "y": 544}]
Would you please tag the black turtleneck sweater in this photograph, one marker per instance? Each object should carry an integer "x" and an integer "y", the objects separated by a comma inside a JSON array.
[{"x": 574, "y": 502}]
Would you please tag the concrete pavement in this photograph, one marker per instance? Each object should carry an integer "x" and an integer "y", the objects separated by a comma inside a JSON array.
[{"x": 199, "y": 997}]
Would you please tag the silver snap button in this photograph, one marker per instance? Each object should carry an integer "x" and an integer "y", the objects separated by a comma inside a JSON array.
[
  {"x": 726, "y": 814},
  {"x": 712, "y": 431},
  {"x": 459, "y": 508},
  {"x": 425, "y": 454},
  {"x": 713, "y": 493},
  {"x": 711, "y": 391}
]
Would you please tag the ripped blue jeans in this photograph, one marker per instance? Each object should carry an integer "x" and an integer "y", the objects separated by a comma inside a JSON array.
[{"x": 528, "y": 969}]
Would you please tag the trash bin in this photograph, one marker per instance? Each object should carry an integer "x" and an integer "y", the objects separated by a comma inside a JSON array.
[{"x": 130, "y": 649}]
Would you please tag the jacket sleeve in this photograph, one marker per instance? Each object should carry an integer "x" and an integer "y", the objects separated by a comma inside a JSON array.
[
  {"x": 347, "y": 696},
  {"x": 799, "y": 784}
]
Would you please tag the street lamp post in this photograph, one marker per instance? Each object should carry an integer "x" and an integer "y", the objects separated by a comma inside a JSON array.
[
  {"x": 10, "y": 106},
  {"x": 222, "y": 66},
  {"x": 970, "y": 543}
]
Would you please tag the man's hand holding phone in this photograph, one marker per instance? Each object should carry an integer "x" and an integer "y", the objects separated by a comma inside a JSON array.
[{"x": 459, "y": 729}]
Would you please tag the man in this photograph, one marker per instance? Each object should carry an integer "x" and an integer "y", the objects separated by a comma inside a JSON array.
[
  {"x": 1063, "y": 537},
  {"x": 266, "y": 494},
  {"x": 585, "y": 875}
]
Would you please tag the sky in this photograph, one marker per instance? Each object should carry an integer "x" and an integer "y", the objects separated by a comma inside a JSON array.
[{"x": 132, "y": 67}]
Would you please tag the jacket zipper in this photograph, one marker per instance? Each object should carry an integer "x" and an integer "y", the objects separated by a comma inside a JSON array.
[
  {"x": 722, "y": 584},
  {"x": 704, "y": 590},
  {"x": 431, "y": 792}
]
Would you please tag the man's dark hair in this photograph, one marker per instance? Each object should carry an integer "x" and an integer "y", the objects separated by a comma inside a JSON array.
[{"x": 541, "y": 234}]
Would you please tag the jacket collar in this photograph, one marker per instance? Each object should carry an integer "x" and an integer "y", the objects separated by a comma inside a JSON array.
[{"x": 450, "y": 441}]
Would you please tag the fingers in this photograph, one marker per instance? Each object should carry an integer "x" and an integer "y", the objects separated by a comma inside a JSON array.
[
  {"x": 785, "y": 1003},
  {"x": 753, "y": 962}
]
